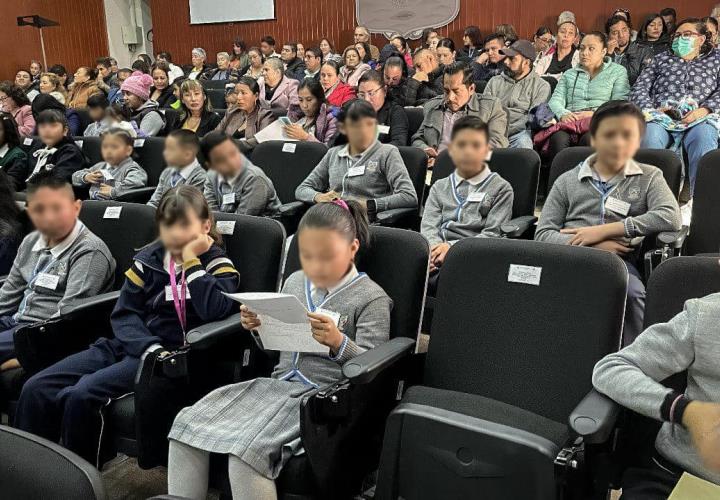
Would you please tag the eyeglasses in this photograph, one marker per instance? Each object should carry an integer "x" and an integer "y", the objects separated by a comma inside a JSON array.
[
  {"x": 369, "y": 93},
  {"x": 686, "y": 35}
]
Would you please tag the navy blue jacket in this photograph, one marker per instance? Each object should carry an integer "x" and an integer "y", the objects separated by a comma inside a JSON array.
[{"x": 142, "y": 317}]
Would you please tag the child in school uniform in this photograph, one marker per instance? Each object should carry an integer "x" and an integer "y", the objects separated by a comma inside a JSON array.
[
  {"x": 97, "y": 105},
  {"x": 118, "y": 172},
  {"x": 472, "y": 201},
  {"x": 261, "y": 441},
  {"x": 234, "y": 185},
  {"x": 609, "y": 201},
  {"x": 181, "y": 150},
  {"x": 58, "y": 262},
  {"x": 174, "y": 285},
  {"x": 55, "y": 151}
]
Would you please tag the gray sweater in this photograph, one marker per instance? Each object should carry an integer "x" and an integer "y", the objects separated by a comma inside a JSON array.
[
  {"x": 196, "y": 177},
  {"x": 80, "y": 266},
  {"x": 690, "y": 341},
  {"x": 575, "y": 201},
  {"x": 125, "y": 176},
  {"x": 253, "y": 193},
  {"x": 488, "y": 205},
  {"x": 378, "y": 174},
  {"x": 518, "y": 97}
]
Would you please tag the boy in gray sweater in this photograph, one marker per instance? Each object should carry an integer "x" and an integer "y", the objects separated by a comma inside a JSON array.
[
  {"x": 59, "y": 262},
  {"x": 181, "y": 150},
  {"x": 610, "y": 202},
  {"x": 234, "y": 185},
  {"x": 472, "y": 201}
]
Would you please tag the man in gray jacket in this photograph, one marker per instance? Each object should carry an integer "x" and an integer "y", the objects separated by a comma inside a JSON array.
[
  {"x": 519, "y": 89},
  {"x": 459, "y": 100}
]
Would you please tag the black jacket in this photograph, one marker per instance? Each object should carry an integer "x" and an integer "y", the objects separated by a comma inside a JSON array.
[
  {"x": 209, "y": 120},
  {"x": 418, "y": 93},
  {"x": 296, "y": 69},
  {"x": 393, "y": 116},
  {"x": 658, "y": 46},
  {"x": 634, "y": 59},
  {"x": 166, "y": 99},
  {"x": 67, "y": 160}
]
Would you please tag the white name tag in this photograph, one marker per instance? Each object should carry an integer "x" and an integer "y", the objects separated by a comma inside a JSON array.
[
  {"x": 228, "y": 199},
  {"x": 79, "y": 143},
  {"x": 476, "y": 197},
  {"x": 225, "y": 227},
  {"x": 112, "y": 213},
  {"x": 289, "y": 147},
  {"x": 46, "y": 280},
  {"x": 27, "y": 141},
  {"x": 330, "y": 314},
  {"x": 384, "y": 129},
  {"x": 139, "y": 143},
  {"x": 617, "y": 206},
  {"x": 529, "y": 275},
  {"x": 169, "y": 294},
  {"x": 355, "y": 171},
  {"x": 106, "y": 174}
]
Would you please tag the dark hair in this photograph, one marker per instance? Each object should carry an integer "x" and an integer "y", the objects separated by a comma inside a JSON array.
[
  {"x": 50, "y": 116},
  {"x": 15, "y": 93},
  {"x": 145, "y": 58},
  {"x": 372, "y": 76},
  {"x": 642, "y": 32},
  {"x": 118, "y": 112},
  {"x": 238, "y": 42},
  {"x": 268, "y": 39},
  {"x": 125, "y": 70},
  {"x": 397, "y": 62},
  {"x": 315, "y": 51},
  {"x": 711, "y": 20},
  {"x": 47, "y": 179},
  {"x": 90, "y": 72},
  {"x": 292, "y": 45},
  {"x": 9, "y": 210},
  {"x": 43, "y": 102},
  {"x": 460, "y": 67},
  {"x": 508, "y": 32},
  {"x": 118, "y": 132},
  {"x": 426, "y": 34},
  {"x": 356, "y": 109},
  {"x": 141, "y": 66},
  {"x": 366, "y": 48},
  {"x": 165, "y": 55},
  {"x": 543, "y": 30},
  {"x": 626, "y": 17},
  {"x": 333, "y": 64},
  {"x": 599, "y": 35},
  {"x": 403, "y": 42},
  {"x": 352, "y": 223},
  {"x": 210, "y": 142},
  {"x": 103, "y": 61},
  {"x": 470, "y": 122},
  {"x": 175, "y": 203},
  {"x": 701, "y": 28},
  {"x": 616, "y": 108},
  {"x": 669, "y": 11},
  {"x": 187, "y": 139},
  {"x": 349, "y": 49},
  {"x": 10, "y": 131},
  {"x": 613, "y": 21},
  {"x": 249, "y": 82},
  {"x": 315, "y": 89},
  {"x": 494, "y": 36},
  {"x": 447, "y": 43},
  {"x": 23, "y": 71},
  {"x": 332, "y": 46},
  {"x": 57, "y": 69},
  {"x": 98, "y": 100},
  {"x": 187, "y": 86},
  {"x": 162, "y": 66},
  {"x": 475, "y": 35}
]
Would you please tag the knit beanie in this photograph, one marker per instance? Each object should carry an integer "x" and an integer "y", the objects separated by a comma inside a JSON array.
[{"x": 139, "y": 84}]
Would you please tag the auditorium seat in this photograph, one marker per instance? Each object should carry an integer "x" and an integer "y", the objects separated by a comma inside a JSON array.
[
  {"x": 91, "y": 148},
  {"x": 415, "y": 161},
  {"x": 704, "y": 237},
  {"x": 216, "y": 96},
  {"x": 149, "y": 154},
  {"x": 415, "y": 118}
]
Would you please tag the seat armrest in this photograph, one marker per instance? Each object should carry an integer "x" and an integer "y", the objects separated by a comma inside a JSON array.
[
  {"x": 292, "y": 208},
  {"x": 210, "y": 332},
  {"x": 364, "y": 368},
  {"x": 673, "y": 239},
  {"x": 394, "y": 215},
  {"x": 594, "y": 417},
  {"x": 140, "y": 195},
  {"x": 518, "y": 226},
  {"x": 81, "y": 306}
]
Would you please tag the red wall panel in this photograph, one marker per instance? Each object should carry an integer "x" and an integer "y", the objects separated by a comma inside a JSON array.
[
  {"x": 308, "y": 21},
  {"x": 80, "y": 38}
]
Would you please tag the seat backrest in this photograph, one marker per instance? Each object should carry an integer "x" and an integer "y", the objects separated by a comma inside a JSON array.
[
  {"x": 520, "y": 167},
  {"x": 402, "y": 274},
  {"x": 216, "y": 97},
  {"x": 524, "y": 322},
  {"x": 415, "y": 161},
  {"x": 415, "y": 117},
  {"x": 215, "y": 84},
  {"x": 34, "y": 467},
  {"x": 85, "y": 119},
  {"x": 704, "y": 229},
  {"x": 133, "y": 228},
  {"x": 91, "y": 148},
  {"x": 149, "y": 153},
  {"x": 664, "y": 159},
  {"x": 287, "y": 166},
  {"x": 256, "y": 245},
  {"x": 552, "y": 81}
]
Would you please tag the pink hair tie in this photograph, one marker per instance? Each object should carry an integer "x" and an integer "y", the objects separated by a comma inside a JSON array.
[{"x": 341, "y": 203}]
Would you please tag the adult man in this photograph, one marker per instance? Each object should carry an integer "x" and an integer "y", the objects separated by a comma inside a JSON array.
[
  {"x": 427, "y": 82},
  {"x": 489, "y": 63},
  {"x": 519, "y": 89},
  {"x": 459, "y": 100},
  {"x": 313, "y": 61},
  {"x": 105, "y": 80},
  {"x": 669, "y": 15},
  {"x": 175, "y": 70},
  {"x": 362, "y": 34},
  {"x": 294, "y": 66},
  {"x": 630, "y": 55}
]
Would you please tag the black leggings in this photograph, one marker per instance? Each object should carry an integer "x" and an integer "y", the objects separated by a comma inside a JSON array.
[{"x": 561, "y": 140}]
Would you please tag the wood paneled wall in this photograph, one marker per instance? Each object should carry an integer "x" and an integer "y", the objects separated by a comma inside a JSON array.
[
  {"x": 80, "y": 38},
  {"x": 308, "y": 21}
]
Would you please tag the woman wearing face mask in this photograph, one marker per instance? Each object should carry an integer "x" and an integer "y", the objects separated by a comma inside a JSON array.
[
  {"x": 654, "y": 33},
  {"x": 690, "y": 71},
  {"x": 196, "y": 114}
]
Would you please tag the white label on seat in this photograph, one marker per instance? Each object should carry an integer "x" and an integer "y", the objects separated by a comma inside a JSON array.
[
  {"x": 27, "y": 141},
  {"x": 112, "y": 213},
  {"x": 529, "y": 275},
  {"x": 246, "y": 357},
  {"x": 79, "y": 143},
  {"x": 225, "y": 227},
  {"x": 289, "y": 147},
  {"x": 139, "y": 143}
]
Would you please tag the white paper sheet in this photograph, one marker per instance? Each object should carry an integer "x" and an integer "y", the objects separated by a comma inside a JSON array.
[{"x": 273, "y": 132}]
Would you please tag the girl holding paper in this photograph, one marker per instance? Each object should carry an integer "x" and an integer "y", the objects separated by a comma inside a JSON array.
[{"x": 349, "y": 314}]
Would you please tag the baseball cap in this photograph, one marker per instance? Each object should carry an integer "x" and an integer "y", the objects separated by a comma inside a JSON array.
[{"x": 523, "y": 47}]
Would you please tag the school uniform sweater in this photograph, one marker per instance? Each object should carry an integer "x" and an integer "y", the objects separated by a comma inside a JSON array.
[
  {"x": 577, "y": 200},
  {"x": 144, "y": 317},
  {"x": 80, "y": 266},
  {"x": 252, "y": 192},
  {"x": 632, "y": 377},
  {"x": 192, "y": 174},
  {"x": 123, "y": 177},
  {"x": 449, "y": 216},
  {"x": 64, "y": 158},
  {"x": 381, "y": 175}
]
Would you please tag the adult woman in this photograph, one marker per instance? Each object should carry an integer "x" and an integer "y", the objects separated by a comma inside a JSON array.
[
  {"x": 392, "y": 120},
  {"x": 198, "y": 58},
  {"x": 337, "y": 93},
  {"x": 507, "y": 31},
  {"x": 363, "y": 50},
  {"x": 711, "y": 24},
  {"x": 472, "y": 42},
  {"x": 582, "y": 90},
  {"x": 445, "y": 51},
  {"x": 50, "y": 84},
  {"x": 14, "y": 101},
  {"x": 256, "y": 63},
  {"x": 354, "y": 67},
  {"x": 654, "y": 33},
  {"x": 249, "y": 115},
  {"x": 47, "y": 101},
  {"x": 563, "y": 55},
  {"x": 317, "y": 123},
  {"x": 161, "y": 91},
  {"x": 10, "y": 228},
  {"x": 83, "y": 86},
  {"x": 196, "y": 113},
  {"x": 542, "y": 41},
  {"x": 239, "y": 59},
  {"x": 429, "y": 38},
  {"x": 142, "y": 110},
  {"x": 300, "y": 51},
  {"x": 328, "y": 51},
  {"x": 402, "y": 46},
  {"x": 691, "y": 71},
  {"x": 144, "y": 58},
  {"x": 279, "y": 90},
  {"x": 23, "y": 79},
  {"x": 36, "y": 69}
]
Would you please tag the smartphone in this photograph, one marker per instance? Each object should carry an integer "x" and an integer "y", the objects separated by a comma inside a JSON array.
[{"x": 285, "y": 120}]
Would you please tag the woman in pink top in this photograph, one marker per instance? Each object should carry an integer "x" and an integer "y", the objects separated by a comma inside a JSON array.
[{"x": 14, "y": 101}]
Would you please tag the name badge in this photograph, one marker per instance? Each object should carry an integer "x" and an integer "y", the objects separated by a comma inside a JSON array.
[
  {"x": 330, "y": 314},
  {"x": 106, "y": 174},
  {"x": 169, "y": 294},
  {"x": 228, "y": 199},
  {"x": 49, "y": 281},
  {"x": 289, "y": 147},
  {"x": 384, "y": 129},
  {"x": 617, "y": 206},
  {"x": 476, "y": 197},
  {"x": 27, "y": 141},
  {"x": 356, "y": 171}
]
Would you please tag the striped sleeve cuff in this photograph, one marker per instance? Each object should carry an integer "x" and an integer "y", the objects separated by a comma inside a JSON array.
[
  {"x": 221, "y": 265},
  {"x": 630, "y": 229},
  {"x": 135, "y": 275},
  {"x": 193, "y": 269},
  {"x": 348, "y": 350}
]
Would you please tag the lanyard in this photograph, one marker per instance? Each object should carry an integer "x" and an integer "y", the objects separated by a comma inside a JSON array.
[
  {"x": 604, "y": 189},
  {"x": 179, "y": 302},
  {"x": 312, "y": 307},
  {"x": 460, "y": 201}
]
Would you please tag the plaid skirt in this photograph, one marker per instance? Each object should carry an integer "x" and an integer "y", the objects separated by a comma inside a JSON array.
[{"x": 257, "y": 421}]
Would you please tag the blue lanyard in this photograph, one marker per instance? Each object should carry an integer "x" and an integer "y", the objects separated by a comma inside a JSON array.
[
  {"x": 312, "y": 307},
  {"x": 460, "y": 201},
  {"x": 604, "y": 189}
]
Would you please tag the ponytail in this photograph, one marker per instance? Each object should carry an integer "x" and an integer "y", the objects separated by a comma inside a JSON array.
[{"x": 348, "y": 218}]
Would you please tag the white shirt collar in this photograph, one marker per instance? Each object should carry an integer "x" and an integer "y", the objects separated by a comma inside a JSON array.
[
  {"x": 185, "y": 171},
  {"x": 57, "y": 250},
  {"x": 167, "y": 260},
  {"x": 588, "y": 167},
  {"x": 351, "y": 275},
  {"x": 4, "y": 150},
  {"x": 475, "y": 180}
]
